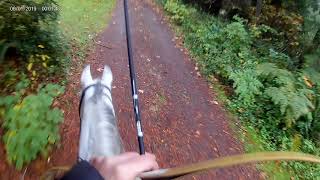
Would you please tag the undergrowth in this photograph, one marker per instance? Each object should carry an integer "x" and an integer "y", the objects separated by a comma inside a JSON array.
[
  {"x": 275, "y": 90},
  {"x": 30, "y": 124}
]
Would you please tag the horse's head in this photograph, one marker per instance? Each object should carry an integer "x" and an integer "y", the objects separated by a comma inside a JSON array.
[{"x": 99, "y": 133}]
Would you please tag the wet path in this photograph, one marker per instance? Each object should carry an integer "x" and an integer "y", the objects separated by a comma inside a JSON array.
[{"x": 181, "y": 122}]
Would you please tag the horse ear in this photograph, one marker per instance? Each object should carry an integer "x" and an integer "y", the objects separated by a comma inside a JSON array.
[
  {"x": 106, "y": 76},
  {"x": 86, "y": 78}
]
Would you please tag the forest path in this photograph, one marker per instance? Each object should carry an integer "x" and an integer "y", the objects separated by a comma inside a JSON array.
[{"x": 181, "y": 120}]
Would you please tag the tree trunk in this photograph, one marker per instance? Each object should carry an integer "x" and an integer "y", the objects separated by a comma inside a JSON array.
[{"x": 258, "y": 8}]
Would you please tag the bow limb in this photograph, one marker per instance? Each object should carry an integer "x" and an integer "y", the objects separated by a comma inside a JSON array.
[{"x": 172, "y": 173}]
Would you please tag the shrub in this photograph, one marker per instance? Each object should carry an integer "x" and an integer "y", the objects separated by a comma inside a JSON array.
[
  {"x": 30, "y": 124},
  {"x": 247, "y": 86},
  {"x": 32, "y": 32},
  {"x": 284, "y": 89},
  {"x": 224, "y": 7},
  {"x": 287, "y": 22},
  {"x": 178, "y": 10}
]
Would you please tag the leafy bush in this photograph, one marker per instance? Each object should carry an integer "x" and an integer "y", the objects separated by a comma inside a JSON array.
[
  {"x": 287, "y": 22},
  {"x": 178, "y": 11},
  {"x": 30, "y": 124},
  {"x": 32, "y": 32},
  {"x": 223, "y": 7}
]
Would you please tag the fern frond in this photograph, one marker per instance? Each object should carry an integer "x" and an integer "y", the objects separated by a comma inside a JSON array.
[
  {"x": 281, "y": 76},
  {"x": 247, "y": 85},
  {"x": 293, "y": 99},
  {"x": 266, "y": 68},
  {"x": 278, "y": 97},
  {"x": 293, "y": 104}
]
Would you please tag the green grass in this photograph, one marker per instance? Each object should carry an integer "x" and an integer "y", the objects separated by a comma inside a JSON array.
[
  {"x": 82, "y": 20},
  {"x": 254, "y": 143}
]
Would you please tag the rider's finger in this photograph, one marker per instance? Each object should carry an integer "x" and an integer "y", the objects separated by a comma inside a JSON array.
[
  {"x": 96, "y": 160},
  {"x": 127, "y": 157},
  {"x": 134, "y": 167},
  {"x": 114, "y": 160},
  {"x": 124, "y": 157},
  {"x": 151, "y": 156},
  {"x": 143, "y": 163}
]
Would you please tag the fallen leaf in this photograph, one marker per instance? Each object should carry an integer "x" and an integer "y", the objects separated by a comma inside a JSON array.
[
  {"x": 100, "y": 69},
  {"x": 214, "y": 102},
  {"x": 198, "y": 133}
]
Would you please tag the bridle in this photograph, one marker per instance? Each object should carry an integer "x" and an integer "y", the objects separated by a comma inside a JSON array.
[{"x": 84, "y": 93}]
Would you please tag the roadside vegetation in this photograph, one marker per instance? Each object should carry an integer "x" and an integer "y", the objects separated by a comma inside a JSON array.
[
  {"x": 82, "y": 20},
  {"x": 36, "y": 50},
  {"x": 267, "y": 55}
]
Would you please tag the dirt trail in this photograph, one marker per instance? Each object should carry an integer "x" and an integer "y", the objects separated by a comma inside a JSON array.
[{"x": 180, "y": 123}]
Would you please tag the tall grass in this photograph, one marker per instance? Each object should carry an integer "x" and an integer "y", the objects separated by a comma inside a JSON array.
[{"x": 81, "y": 20}]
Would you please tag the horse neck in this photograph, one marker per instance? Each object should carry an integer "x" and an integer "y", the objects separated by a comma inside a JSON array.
[{"x": 99, "y": 132}]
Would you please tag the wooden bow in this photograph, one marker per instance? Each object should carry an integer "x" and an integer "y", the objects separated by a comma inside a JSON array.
[
  {"x": 221, "y": 162},
  {"x": 171, "y": 173}
]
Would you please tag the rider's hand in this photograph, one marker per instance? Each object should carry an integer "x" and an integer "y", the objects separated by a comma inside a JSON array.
[{"x": 126, "y": 166}]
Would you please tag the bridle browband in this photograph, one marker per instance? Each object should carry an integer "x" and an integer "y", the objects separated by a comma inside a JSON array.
[{"x": 84, "y": 93}]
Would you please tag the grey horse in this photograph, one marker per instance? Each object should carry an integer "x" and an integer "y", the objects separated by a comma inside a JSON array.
[{"x": 99, "y": 131}]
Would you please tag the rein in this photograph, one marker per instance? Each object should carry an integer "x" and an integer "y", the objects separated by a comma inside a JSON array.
[{"x": 84, "y": 93}]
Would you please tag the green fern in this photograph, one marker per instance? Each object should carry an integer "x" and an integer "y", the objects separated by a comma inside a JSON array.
[
  {"x": 294, "y": 99},
  {"x": 247, "y": 85}
]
